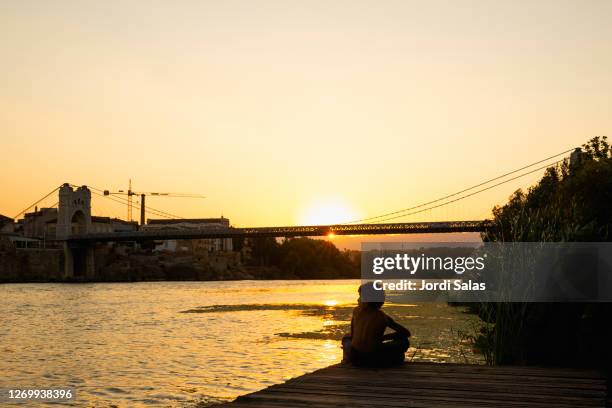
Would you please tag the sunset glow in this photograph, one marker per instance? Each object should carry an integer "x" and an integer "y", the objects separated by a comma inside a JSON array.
[
  {"x": 327, "y": 212},
  {"x": 305, "y": 203},
  {"x": 232, "y": 110},
  {"x": 238, "y": 102}
]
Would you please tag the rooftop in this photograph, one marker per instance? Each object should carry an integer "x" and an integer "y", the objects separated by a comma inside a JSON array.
[{"x": 221, "y": 220}]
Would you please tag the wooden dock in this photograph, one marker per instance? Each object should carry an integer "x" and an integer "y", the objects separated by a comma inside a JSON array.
[{"x": 428, "y": 385}]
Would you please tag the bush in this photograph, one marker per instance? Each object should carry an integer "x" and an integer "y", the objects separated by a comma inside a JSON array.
[{"x": 572, "y": 202}]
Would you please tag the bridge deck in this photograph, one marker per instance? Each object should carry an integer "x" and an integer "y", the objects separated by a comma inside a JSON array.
[
  {"x": 428, "y": 385},
  {"x": 289, "y": 231}
]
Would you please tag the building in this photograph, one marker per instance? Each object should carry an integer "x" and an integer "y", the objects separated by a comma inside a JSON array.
[
  {"x": 34, "y": 224},
  {"x": 208, "y": 245},
  {"x": 7, "y": 224},
  {"x": 42, "y": 224}
]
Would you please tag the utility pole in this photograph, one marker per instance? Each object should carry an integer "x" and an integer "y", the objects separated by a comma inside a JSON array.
[
  {"x": 142, "y": 209},
  {"x": 129, "y": 194}
]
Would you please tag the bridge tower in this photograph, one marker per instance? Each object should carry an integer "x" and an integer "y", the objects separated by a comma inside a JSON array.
[
  {"x": 74, "y": 211},
  {"x": 74, "y": 217}
]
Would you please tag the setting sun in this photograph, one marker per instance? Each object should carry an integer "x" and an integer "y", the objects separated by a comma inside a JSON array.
[{"x": 326, "y": 212}]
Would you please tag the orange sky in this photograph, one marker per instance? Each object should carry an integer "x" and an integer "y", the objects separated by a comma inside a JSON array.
[{"x": 278, "y": 110}]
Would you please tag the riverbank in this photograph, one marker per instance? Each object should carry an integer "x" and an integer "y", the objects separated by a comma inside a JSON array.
[{"x": 299, "y": 258}]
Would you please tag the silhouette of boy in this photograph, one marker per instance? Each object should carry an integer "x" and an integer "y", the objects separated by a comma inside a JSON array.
[{"x": 368, "y": 345}]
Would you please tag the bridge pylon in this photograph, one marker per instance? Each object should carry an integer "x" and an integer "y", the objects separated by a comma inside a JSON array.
[{"x": 73, "y": 218}]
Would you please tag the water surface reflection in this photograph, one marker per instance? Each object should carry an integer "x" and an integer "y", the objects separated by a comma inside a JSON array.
[{"x": 182, "y": 344}]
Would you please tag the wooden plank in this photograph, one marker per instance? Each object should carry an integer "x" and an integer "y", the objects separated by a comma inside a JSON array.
[
  {"x": 310, "y": 404},
  {"x": 472, "y": 392},
  {"x": 426, "y": 385},
  {"x": 408, "y": 372},
  {"x": 541, "y": 392},
  {"x": 408, "y": 375},
  {"x": 580, "y": 374},
  {"x": 350, "y": 401},
  {"x": 507, "y": 380}
]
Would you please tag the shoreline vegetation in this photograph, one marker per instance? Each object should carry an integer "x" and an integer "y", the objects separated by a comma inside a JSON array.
[
  {"x": 262, "y": 259},
  {"x": 571, "y": 203}
]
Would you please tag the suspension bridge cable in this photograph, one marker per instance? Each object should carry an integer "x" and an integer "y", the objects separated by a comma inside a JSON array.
[
  {"x": 471, "y": 194},
  {"x": 152, "y": 210},
  {"x": 27, "y": 208},
  {"x": 137, "y": 207},
  {"x": 125, "y": 201},
  {"x": 149, "y": 209},
  {"x": 117, "y": 200},
  {"x": 366, "y": 220}
]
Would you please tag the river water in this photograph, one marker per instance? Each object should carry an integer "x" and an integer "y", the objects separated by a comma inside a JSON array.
[{"x": 190, "y": 344}]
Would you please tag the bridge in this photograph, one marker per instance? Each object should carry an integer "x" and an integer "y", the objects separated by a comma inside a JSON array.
[
  {"x": 290, "y": 231},
  {"x": 75, "y": 232}
]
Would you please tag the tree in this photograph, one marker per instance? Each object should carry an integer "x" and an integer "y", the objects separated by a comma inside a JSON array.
[{"x": 572, "y": 202}]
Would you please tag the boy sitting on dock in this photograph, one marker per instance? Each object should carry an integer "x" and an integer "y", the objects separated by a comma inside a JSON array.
[{"x": 368, "y": 345}]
